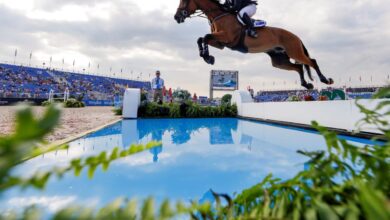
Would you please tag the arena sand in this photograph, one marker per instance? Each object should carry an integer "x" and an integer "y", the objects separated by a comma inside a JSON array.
[{"x": 73, "y": 121}]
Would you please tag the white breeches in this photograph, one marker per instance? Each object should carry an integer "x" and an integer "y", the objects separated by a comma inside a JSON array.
[{"x": 250, "y": 10}]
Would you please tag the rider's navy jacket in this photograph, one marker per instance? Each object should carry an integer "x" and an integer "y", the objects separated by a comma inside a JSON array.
[{"x": 236, "y": 5}]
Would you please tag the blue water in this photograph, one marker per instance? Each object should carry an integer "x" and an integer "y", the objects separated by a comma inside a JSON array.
[{"x": 225, "y": 155}]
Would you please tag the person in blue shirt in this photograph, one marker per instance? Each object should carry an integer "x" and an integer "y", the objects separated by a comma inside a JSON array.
[{"x": 158, "y": 86}]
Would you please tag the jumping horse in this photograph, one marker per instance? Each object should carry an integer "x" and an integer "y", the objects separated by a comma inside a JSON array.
[{"x": 226, "y": 31}]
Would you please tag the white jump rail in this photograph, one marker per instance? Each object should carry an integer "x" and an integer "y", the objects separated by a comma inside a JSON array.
[
  {"x": 131, "y": 102},
  {"x": 340, "y": 115}
]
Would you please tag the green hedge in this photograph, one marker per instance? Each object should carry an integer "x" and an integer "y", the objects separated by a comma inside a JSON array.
[
  {"x": 118, "y": 111},
  {"x": 186, "y": 110},
  {"x": 73, "y": 103},
  {"x": 70, "y": 103}
]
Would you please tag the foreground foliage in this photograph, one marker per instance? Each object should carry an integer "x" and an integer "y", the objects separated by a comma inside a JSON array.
[{"x": 342, "y": 182}]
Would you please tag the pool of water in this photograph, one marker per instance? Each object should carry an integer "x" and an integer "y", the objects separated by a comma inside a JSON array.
[{"x": 196, "y": 155}]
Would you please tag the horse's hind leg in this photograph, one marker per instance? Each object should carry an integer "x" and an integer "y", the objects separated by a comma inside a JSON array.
[
  {"x": 282, "y": 61},
  {"x": 298, "y": 52},
  {"x": 322, "y": 77}
]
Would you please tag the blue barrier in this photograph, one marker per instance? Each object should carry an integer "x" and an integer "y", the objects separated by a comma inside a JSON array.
[{"x": 99, "y": 102}]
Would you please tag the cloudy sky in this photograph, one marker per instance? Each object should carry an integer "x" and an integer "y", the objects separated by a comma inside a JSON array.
[{"x": 349, "y": 38}]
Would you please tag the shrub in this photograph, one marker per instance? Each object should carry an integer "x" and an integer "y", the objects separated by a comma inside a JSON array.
[
  {"x": 73, "y": 103},
  {"x": 226, "y": 99},
  {"x": 185, "y": 110},
  {"x": 144, "y": 96},
  {"x": 174, "y": 110},
  {"x": 153, "y": 110},
  {"x": 46, "y": 103},
  {"x": 294, "y": 99},
  {"x": 194, "y": 111},
  {"x": 118, "y": 111},
  {"x": 181, "y": 95}
]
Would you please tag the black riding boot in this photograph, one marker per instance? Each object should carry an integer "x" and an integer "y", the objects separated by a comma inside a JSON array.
[{"x": 249, "y": 24}]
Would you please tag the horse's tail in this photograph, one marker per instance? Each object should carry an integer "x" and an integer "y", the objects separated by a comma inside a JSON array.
[{"x": 307, "y": 67}]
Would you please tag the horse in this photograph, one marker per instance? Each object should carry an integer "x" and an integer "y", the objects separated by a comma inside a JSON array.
[{"x": 226, "y": 31}]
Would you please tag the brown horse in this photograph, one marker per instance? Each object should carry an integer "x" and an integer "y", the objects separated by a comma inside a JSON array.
[{"x": 226, "y": 31}]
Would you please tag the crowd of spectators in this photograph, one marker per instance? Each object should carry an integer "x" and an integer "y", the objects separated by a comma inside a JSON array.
[
  {"x": 282, "y": 96},
  {"x": 312, "y": 95},
  {"x": 34, "y": 83}
]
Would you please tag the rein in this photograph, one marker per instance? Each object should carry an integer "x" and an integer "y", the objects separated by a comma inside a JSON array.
[
  {"x": 202, "y": 14},
  {"x": 220, "y": 16}
]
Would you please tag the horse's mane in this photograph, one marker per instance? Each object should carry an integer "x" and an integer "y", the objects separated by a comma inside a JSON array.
[{"x": 218, "y": 2}]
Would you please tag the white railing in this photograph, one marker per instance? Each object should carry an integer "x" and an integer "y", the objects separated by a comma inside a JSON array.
[{"x": 60, "y": 96}]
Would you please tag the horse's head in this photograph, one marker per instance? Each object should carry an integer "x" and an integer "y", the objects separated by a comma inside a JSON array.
[{"x": 186, "y": 9}]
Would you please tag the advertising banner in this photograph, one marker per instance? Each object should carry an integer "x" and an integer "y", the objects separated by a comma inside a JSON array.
[{"x": 224, "y": 80}]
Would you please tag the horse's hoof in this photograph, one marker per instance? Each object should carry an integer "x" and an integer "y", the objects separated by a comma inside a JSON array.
[
  {"x": 331, "y": 82},
  {"x": 310, "y": 86},
  {"x": 210, "y": 60}
]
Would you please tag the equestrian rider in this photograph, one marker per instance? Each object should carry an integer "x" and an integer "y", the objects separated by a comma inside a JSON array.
[{"x": 245, "y": 10}]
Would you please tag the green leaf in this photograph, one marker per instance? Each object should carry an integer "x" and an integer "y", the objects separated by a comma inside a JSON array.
[
  {"x": 165, "y": 210},
  {"x": 374, "y": 203},
  {"x": 147, "y": 212}
]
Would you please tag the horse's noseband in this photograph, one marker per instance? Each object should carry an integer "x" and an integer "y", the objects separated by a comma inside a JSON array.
[{"x": 184, "y": 13}]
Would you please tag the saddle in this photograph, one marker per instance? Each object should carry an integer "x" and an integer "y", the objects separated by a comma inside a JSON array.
[{"x": 240, "y": 46}]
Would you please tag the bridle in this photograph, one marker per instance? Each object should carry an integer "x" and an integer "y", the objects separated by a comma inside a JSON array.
[
  {"x": 202, "y": 14},
  {"x": 184, "y": 9}
]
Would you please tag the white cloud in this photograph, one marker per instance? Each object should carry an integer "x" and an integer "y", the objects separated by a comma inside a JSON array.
[{"x": 52, "y": 204}]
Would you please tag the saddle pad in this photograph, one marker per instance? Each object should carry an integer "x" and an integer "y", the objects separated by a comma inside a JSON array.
[{"x": 259, "y": 23}]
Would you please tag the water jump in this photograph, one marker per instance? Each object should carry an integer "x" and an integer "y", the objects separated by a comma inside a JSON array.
[{"x": 227, "y": 31}]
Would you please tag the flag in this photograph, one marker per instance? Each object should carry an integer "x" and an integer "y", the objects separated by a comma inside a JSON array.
[
  {"x": 16, "y": 52},
  {"x": 51, "y": 59},
  {"x": 121, "y": 70},
  {"x": 98, "y": 66},
  {"x": 110, "y": 69},
  {"x": 30, "y": 55},
  {"x": 63, "y": 60},
  {"x": 74, "y": 62},
  {"x": 89, "y": 65}
]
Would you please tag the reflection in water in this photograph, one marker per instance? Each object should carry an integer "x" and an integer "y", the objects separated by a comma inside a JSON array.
[
  {"x": 196, "y": 155},
  {"x": 180, "y": 131}
]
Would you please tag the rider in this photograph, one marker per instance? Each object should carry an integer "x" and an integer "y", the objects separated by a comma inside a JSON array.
[{"x": 245, "y": 9}]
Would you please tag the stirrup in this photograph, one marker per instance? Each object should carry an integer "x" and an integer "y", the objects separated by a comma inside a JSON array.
[{"x": 252, "y": 33}]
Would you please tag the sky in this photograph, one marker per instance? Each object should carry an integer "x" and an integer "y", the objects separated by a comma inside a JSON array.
[{"x": 349, "y": 39}]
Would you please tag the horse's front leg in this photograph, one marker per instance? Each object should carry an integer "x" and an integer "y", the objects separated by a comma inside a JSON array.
[{"x": 203, "y": 44}]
